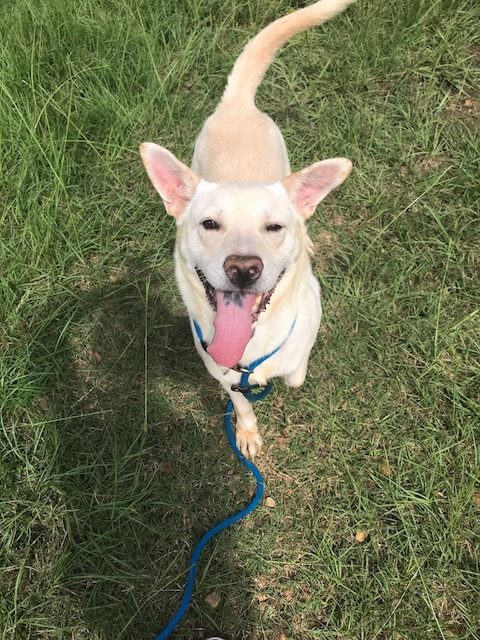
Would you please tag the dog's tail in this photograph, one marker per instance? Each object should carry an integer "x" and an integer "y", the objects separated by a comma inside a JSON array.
[{"x": 257, "y": 56}]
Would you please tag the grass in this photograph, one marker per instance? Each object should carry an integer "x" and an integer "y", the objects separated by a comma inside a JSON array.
[{"x": 112, "y": 459}]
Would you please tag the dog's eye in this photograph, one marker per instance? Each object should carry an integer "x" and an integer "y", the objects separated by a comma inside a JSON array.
[
  {"x": 274, "y": 227},
  {"x": 210, "y": 225}
]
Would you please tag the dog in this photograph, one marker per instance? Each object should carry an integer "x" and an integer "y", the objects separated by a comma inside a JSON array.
[{"x": 242, "y": 250}]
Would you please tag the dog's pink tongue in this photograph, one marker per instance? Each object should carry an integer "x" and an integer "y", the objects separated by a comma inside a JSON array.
[{"x": 233, "y": 328}]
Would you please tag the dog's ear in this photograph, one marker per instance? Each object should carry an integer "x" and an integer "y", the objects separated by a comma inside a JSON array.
[
  {"x": 308, "y": 187},
  {"x": 173, "y": 180}
]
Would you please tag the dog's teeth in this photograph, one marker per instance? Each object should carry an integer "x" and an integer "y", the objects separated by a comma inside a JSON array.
[{"x": 258, "y": 299}]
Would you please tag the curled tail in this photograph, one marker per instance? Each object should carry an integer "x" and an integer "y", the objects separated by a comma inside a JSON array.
[{"x": 257, "y": 56}]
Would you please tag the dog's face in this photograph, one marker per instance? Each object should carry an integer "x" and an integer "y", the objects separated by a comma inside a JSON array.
[{"x": 239, "y": 239}]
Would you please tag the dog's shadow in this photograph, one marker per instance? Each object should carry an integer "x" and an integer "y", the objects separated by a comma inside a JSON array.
[{"x": 143, "y": 468}]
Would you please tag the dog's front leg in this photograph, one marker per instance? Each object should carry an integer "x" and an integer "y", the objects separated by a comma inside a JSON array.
[
  {"x": 248, "y": 439},
  {"x": 297, "y": 377}
]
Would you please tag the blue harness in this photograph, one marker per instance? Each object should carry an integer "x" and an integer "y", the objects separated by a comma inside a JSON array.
[{"x": 245, "y": 388}]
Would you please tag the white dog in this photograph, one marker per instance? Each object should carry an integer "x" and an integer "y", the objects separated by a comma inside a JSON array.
[{"x": 242, "y": 249}]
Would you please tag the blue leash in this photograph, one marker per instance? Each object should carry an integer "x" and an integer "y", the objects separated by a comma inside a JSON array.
[
  {"x": 254, "y": 502},
  {"x": 205, "y": 539}
]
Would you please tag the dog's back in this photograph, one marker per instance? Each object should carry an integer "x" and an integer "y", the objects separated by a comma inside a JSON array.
[{"x": 239, "y": 143}]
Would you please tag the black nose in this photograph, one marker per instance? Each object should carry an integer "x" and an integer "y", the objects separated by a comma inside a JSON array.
[{"x": 242, "y": 271}]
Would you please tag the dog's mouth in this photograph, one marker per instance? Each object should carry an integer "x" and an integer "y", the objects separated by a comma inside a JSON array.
[
  {"x": 237, "y": 312},
  {"x": 236, "y": 297}
]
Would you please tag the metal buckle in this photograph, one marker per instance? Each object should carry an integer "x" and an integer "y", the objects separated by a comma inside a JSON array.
[{"x": 239, "y": 369}]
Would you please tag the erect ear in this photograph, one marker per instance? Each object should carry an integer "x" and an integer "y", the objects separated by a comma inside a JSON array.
[
  {"x": 173, "y": 180},
  {"x": 308, "y": 187}
]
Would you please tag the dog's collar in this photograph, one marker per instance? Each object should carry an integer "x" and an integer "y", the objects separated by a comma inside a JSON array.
[{"x": 244, "y": 386}]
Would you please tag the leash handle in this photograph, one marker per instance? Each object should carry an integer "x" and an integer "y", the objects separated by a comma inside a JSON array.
[{"x": 205, "y": 539}]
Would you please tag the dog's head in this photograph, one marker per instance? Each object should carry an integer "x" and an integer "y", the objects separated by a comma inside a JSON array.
[{"x": 240, "y": 238}]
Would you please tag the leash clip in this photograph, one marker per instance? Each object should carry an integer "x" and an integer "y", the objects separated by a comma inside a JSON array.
[{"x": 241, "y": 388}]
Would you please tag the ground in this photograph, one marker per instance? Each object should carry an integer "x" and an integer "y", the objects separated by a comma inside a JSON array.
[{"x": 112, "y": 457}]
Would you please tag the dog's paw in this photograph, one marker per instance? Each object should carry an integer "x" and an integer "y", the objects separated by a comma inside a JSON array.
[
  {"x": 260, "y": 380},
  {"x": 260, "y": 377},
  {"x": 248, "y": 441}
]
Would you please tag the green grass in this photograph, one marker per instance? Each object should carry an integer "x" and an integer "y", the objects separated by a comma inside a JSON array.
[{"x": 112, "y": 461}]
